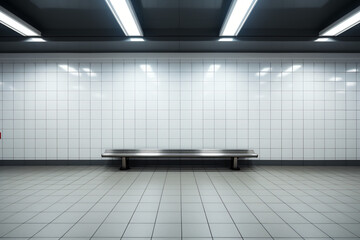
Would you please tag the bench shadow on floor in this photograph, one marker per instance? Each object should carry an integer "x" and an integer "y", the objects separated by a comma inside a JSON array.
[{"x": 180, "y": 166}]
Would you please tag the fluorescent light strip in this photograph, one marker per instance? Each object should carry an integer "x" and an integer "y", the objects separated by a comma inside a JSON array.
[
  {"x": 13, "y": 22},
  {"x": 343, "y": 24},
  {"x": 236, "y": 17},
  {"x": 125, "y": 16}
]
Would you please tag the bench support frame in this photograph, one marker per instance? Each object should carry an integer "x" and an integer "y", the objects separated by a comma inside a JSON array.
[
  {"x": 235, "y": 164},
  {"x": 124, "y": 164}
]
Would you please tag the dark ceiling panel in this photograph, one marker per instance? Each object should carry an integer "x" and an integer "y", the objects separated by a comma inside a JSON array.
[
  {"x": 7, "y": 32},
  {"x": 294, "y": 18},
  {"x": 353, "y": 32},
  {"x": 66, "y": 17},
  {"x": 181, "y": 17},
  {"x": 179, "y": 25}
]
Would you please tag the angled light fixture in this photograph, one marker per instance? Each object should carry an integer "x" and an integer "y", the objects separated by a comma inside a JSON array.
[
  {"x": 343, "y": 24},
  {"x": 125, "y": 16},
  {"x": 12, "y": 21},
  {"x": 236, "y": 17}
]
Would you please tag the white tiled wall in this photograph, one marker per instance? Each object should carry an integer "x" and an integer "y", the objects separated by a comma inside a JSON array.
[{"x": 283, "y": 109}]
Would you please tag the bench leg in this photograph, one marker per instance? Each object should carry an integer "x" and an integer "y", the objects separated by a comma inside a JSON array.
[
  {"x": 235, "y": 164},
  {"x": 123, "y": 164}
]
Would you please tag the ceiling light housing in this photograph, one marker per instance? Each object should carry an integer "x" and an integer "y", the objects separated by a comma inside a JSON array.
[
  {"x": 343, "y": 24},
  {"x": 15, "y": 23},
  {"x": 236, "y": 17},
  {"x": 125, "y": 16}
]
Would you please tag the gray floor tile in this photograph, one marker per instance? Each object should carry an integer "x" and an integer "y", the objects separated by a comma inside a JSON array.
[
  {"x": 69, "y": 217},
  {"x": 310, "y": 200},
  {"x": 166, "y": 207},
  {"x": 5, "y": 228},
  {"x": 195, "y": 231},
  {"x": 211, "y": 199},
  {"x": 192, "y": 207},
  {"x": 82, "y": 230},
  {"x": 191, "y": 199},
  {"x": 20, "y": 217},
  {"x": 243, "y": 217},
  {"x": 334, "y": 230},
  {"x": 316, "y": 218},
  {"x": 168, "y": 217},
  {"x": 292, "y": 217},
  {"x": 25, "y": 230},
  {"x": 215, "y": 207},
  {"x": 147, "y": 207},
  {"x": 125, "y": 207},
  {"x": 5, "y": 215},
  {"x": 144, "y": 217},
  {"x": 102, "y": 207},
  {"x": 119, "y": 217},
  {"x": 308, "y": 230},
  {"x": 237, "y": 207},
  {"x": 280, "y": 207},
  {"x": 339, "y": 218},
  {"x": 219, "y": 217},
  {"x": 224, "y": 230},
  {"x": 268, "y": 217},
  {"x": 94, "y": 217},
  {"x": 193, "y": 217},
  {"x": 167, "y": 230},
  {"x": 258, "y": 207},
  {"x": 252, "y": 230},
  {"x": 353, "y": 228},
  {"x": 53, "y": 230},
  {"x": 280, "y": 231},
  {"x": 107, "y": 230},
  {"x": 139, "y": 230},
  {"x": 171, "y": 199},
  {"x": 45, "y": 217}
]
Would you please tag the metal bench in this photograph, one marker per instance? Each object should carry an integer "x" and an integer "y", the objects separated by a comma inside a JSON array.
[{"x": 125, "y": 154}]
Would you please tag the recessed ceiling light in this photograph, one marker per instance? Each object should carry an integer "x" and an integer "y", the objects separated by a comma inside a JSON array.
[
  {"x": 35, "y": 39},
  {"x": 125, "y": 16},
  {"x": 343, "y": 24},
  {"x": 324, "y": 40},
  {"x": 226, "y": 40},
  {"x": 236, "y": 17},
  {"x": 12, "y": 21},
  {"x": 136, "y": 40}
]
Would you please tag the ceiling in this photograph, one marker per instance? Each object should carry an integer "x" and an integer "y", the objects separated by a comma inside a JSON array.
[{"x": 179, "y": 26}]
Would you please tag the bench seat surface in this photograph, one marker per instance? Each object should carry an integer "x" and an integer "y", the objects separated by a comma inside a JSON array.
[{"x": 179, "y": 153}]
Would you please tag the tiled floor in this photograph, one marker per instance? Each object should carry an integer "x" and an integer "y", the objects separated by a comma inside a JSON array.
[{"x": 104, "y": 203}]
